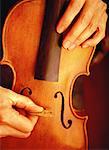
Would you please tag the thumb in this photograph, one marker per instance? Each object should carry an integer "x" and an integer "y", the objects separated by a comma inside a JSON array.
[{"x": 21, "y": 101}]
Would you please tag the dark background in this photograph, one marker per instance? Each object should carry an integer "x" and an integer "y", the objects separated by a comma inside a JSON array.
[{"x": 96, "y": 93}]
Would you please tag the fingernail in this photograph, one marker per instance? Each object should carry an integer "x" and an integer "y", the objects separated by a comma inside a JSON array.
[
  {"x": 72, "y": 46},
  {"x": 60, "y": 29},
  {"x": 66, "y": 44},
  {"x": 40, "y": 109},
  {"x": 37, "y": 108}
]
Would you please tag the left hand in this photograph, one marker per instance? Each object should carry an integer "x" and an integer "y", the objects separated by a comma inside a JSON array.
[{"x": 89, "y": 29}]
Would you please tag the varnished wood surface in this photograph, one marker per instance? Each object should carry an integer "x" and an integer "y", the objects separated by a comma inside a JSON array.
[{"x": 21, "y": 37}]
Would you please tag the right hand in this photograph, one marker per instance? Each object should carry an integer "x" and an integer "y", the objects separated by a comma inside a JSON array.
[{"x": 12, "y": 122}]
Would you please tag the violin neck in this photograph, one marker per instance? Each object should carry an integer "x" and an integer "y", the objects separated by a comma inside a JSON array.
[{"x": 47, "y": 65}]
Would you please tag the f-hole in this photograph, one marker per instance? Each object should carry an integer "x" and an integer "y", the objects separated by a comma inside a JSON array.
[{"x": 69, "y": 122}]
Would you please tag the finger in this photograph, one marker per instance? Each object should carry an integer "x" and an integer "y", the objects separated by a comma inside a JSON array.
[
  {"x": 6, "y": 130},
  {"x": 80, "y": 25},
  {"x": 16, "y": 120},
  {"x": 12, "y": 117},
  {"x": 72, "y": 10},
  {"x": 100, "y": 34},
  {"x": 21, "y": 101},
  {"x": 33, "y": 119},
  {"x": 92, "y": 27}
]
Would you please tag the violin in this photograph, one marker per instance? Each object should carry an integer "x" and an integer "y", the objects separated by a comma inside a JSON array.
[{"x": 46, "y": 72}]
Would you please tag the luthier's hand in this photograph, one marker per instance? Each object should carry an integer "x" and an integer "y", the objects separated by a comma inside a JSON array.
[
  {"x": 13, "y": 123},
  {"x": 89, "y": 28}
]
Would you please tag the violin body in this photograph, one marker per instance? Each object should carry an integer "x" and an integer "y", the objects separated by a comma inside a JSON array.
[{"x": 64, "y": 129}]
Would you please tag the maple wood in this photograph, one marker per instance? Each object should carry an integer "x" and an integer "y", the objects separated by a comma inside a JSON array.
[{"x": 21, "y": 37}]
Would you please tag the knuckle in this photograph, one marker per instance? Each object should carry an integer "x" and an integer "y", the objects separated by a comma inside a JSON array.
[
  {"x": 84, "y": 20},
  {"x": 104, "y": 6},
  {"x": 92, "y": 27}
]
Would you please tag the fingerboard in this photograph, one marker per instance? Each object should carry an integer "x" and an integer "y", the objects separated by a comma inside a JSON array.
[{"x": 48, "y": 60}]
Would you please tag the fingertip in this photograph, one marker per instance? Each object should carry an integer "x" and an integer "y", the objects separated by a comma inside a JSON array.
[
  {"x": 41, "y": 108},
  {"x": 60, "y": 29},
  {"x": 66, "y": 44},
  {"x": 72, "y": 46},
  {"x": 38, "y": 108},
  {"x": 26, "y": 135},
  {"x": 85, "y": 45}
]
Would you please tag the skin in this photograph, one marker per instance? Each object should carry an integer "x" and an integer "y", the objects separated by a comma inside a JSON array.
[
  {"x": 12, "y": 122},
  {"x": 87, "y": 24}
]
